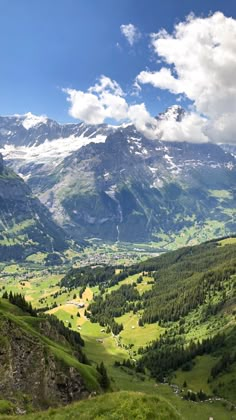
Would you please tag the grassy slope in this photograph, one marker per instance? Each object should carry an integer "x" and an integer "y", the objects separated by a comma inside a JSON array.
[
  {"x": 121, "y": 405},
  {"x": 62, "y": 352},
  {"x": 108, "y": 351},
  {"x": 164, "y": 405}
]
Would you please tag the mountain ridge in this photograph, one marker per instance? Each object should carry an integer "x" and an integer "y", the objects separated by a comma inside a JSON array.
[
  {"x": 116, "y": 185},
  {"x": 26, "y": 225}
]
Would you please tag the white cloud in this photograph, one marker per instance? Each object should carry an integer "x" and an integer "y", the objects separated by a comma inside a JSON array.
[
  {"x": 85, "y": 106},
  {"x": 143, "y": 121},
  {"x": 106, "y": 84},
  {"x": 190, "y": 128},
  {"x": 199, "y": 61},
  {"x": 131, "y": 33},
  {"x": 160, "y": 79},
  {"x": 199, "y": 64},
  {"x": 104, "y": 100}
]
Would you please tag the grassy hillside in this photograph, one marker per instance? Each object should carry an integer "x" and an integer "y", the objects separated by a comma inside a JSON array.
[
  {"x": 41, "y": 362},
  {"x": 172, "y": 315},
  {"x": 120, "y": 405},
  {"x": 178, "y": 337}
]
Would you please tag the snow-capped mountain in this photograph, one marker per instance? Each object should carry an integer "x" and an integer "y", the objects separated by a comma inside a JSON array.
[
  {"x": 29, "y": 129},
  {"x": 115, "y": 184},
  {"x": 173, "y": 113}
]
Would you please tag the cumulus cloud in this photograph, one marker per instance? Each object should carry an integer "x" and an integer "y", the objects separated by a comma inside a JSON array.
[
  {"x": 143, "y": 121},
  {"x": 106, "y": 100},
  {"x": 199, "y": 61},
  {"x": 131, "y": 33},
  {"x": 103, "y": 100},
  {"x": 85, "y": 106},
  {"x": 190, "y": 128}
]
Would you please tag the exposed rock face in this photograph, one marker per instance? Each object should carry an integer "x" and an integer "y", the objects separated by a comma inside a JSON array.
[
  {"x": 26, "y": 226},
  {"x": 31, "y": 375},
  {"x": 115, "y": 184}
]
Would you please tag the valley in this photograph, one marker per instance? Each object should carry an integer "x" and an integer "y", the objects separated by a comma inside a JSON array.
[
  {"x": 118, "y": 210},
  {"x": 215, "y": 315},
  {"x": 158, "y": 310}
]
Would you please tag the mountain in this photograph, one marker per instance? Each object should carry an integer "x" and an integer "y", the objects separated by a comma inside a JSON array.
[
  {"x": 229, "y": 148},
  {"x": 173, "y": 113},
  {"x": 26, "y": 225},
  {"x": 114, "y": 184},
  {"x": 42, "y": 363}
]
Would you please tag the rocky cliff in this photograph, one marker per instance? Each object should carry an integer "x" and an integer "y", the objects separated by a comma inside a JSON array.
[{"x": 39, "y": 370}]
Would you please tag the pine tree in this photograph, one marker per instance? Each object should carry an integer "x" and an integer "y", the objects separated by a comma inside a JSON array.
[
  {"x": 5, "y": 295},
  {"x": 104, "y": 381}
]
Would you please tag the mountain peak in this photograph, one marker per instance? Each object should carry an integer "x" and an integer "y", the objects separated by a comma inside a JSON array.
[
  {"x": 174, "y": 112},
  {"x": 30, "y": 120}
]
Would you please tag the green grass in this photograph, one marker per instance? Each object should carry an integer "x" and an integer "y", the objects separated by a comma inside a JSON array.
[
  {"x": 163, "y": 405},
  {"x": 225, "y": 383},
  {"x": 109, "y": 351},
  {"x": 135, "y": 335},
  {"x": 37, "y": 257},
  {"x": 141, "y": 287},
  {"x": 196, "y": 379},
  {"x": 65, "y": 316},
  {"x": 19, "y": 227},
  {"x": 227, "y": 241},
  {"x": 112, "y": 349},
  {"x": 117, "y": 406},
  {"x": 64, "y": 353},
  {"x": 13, "y": 269},
  {"x": 222, "y": 194},
  {"x": 6, "y": 407},
  {"x": 197, "y": 411}
]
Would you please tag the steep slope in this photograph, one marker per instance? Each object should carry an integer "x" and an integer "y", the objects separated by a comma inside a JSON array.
[
  {"x": 114, "y": 184},
  {"x": 134, "y": 189},
  {"x": 191, "y": 301},
  {"x": 26, "y": 225},
  {"x": 41, "y": 361}
]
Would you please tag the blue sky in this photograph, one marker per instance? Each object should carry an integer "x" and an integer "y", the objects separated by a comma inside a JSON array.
[{"x": 47, "y": 45}]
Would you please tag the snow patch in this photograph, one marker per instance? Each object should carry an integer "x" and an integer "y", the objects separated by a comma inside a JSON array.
[
  {"x": 153, "y": 170},
  {"x": 170, "y": 162},
  {"x": 53, "y": 151},
  {"x": 112, "y": 191}
]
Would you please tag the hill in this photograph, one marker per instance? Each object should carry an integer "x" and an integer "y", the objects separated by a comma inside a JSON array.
[
  {"x": 42, "y": 362},
  {"x": 181, "y": 307},
  {"x": 164, "y": 327},
  {"x": 122, "y": 405}
]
